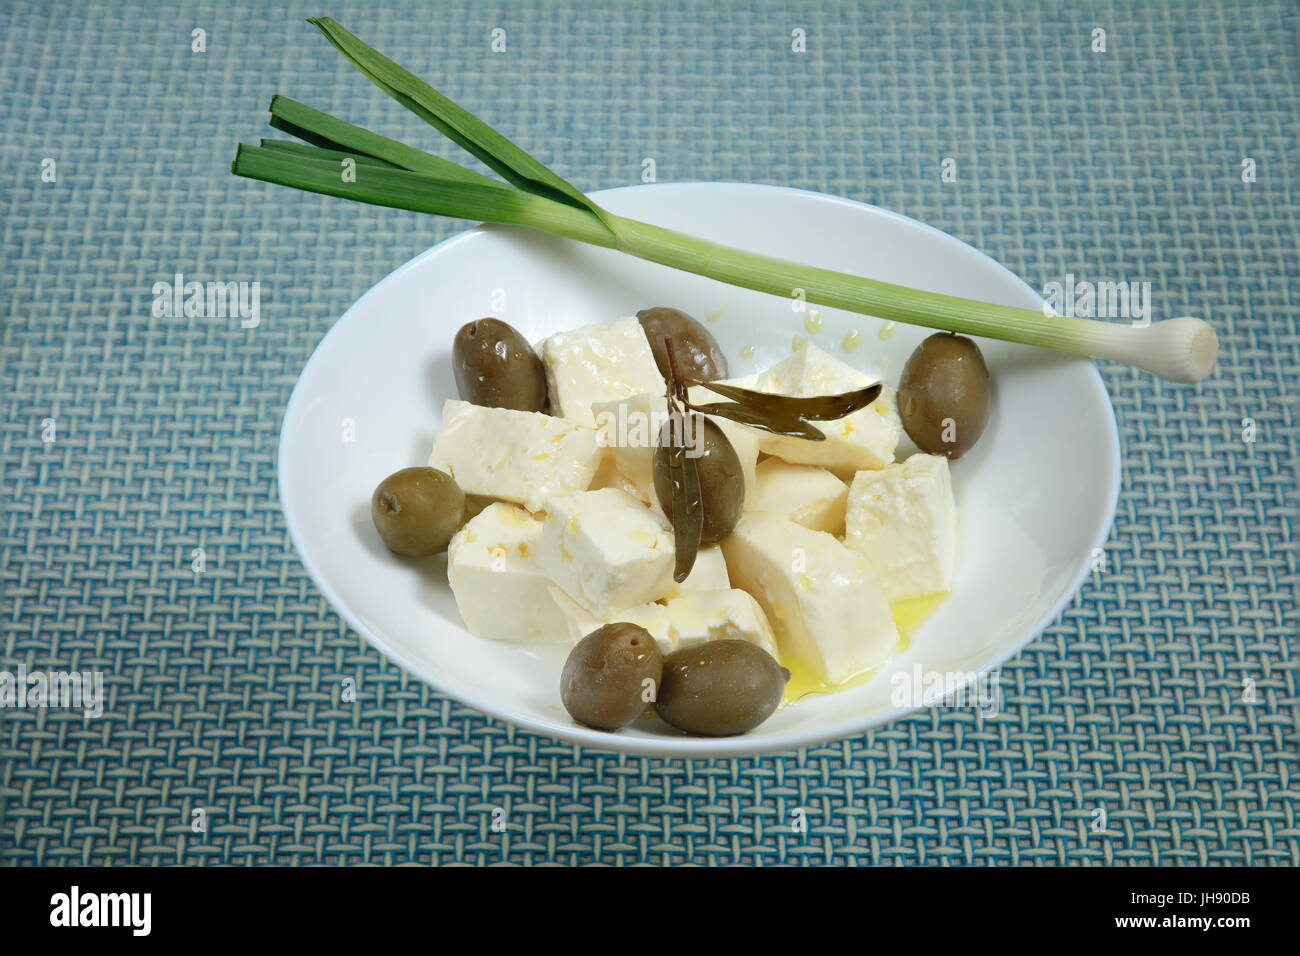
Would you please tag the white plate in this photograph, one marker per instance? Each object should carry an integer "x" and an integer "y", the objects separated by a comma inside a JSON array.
[{"x": 1035, "y": 497}]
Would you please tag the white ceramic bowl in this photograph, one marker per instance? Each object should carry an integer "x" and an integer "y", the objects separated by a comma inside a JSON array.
[{"x": 1035, "y": 496}]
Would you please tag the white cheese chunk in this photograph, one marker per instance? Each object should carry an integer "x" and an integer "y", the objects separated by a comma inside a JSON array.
[
  {"x": 903, "y": 519},
  {"x": 515, "y": 456},
  {"x": 822, "y": 598},
  {"x": 598, "y": 363},
  {"x": 492, "y": 566},
  {"x": 608, "y": 476},
  {"x": 630, "y": 427},
  {"x": 607, "y": 550},
  {"x": 865, "y": 439},
  {"x": 709, "y": 573},
  {"x": 805, "y": 494},
  {"x": 581, "y": 622},
  {"x": 693, "y": 618},
  {"x": 697, "y": 617}
]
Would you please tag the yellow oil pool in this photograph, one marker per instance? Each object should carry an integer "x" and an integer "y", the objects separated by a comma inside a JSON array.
[{"x": 910, "y": 614}]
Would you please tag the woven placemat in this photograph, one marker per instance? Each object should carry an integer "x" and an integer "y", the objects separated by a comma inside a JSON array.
[{"x": 223, "y": 686}]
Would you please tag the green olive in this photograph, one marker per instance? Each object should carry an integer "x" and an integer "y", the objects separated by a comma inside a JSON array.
[
  {"x": 720, "y": 688},
  {"x": 943, "y": 395},
  {"x": 495, "y": 366},
  {"x": 695, "y": 351},
  {"x": 722, "y": 481},
  {"x": 417, "y": 510},
  {"x": 610, "y": 676}
]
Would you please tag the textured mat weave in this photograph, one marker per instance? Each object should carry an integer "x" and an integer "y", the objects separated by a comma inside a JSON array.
[{"x": 222, "y": 687}]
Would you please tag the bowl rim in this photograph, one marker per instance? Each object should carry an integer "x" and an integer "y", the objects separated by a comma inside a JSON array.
[{"x": 686, "y": 747}]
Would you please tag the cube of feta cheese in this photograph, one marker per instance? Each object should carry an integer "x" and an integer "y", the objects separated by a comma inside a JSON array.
[
  {"x": 865, "y": 439},
  {"x": 492, "y": 566},
  {"x": 822, "y": 598},
  {"x": 903, "y": 519},
  {"x": 630, "y": 427},
  {"x": 709, "y": 573},
  {"x": 598, "y": 363},
  {"x": 515, "y": 456},
  {"x": 697, "y": 617},
  {"x": 608, "y": 476},
  {"x": 581, "y": 622},
  {"x": 607, "y": 550},
  {"x": 692, "y": 618},
  {"x": 805, "y": 494}
]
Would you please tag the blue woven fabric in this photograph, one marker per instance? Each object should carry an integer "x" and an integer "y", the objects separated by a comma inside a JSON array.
[{"x": 223, "y": 687}]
